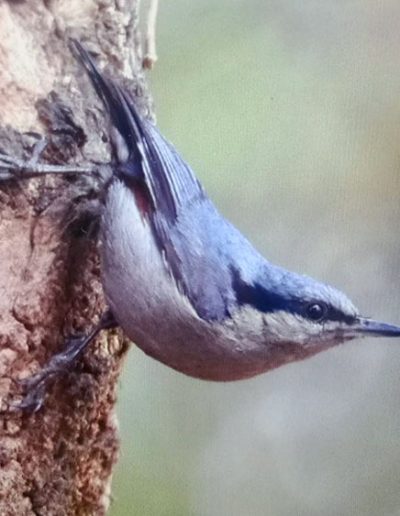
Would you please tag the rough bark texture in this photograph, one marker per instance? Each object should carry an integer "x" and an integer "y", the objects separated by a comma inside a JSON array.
[{"x": 58, "y": 461}]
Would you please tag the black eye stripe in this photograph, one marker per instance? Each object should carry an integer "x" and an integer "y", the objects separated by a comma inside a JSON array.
[
  {"x": 336, "y": 315},
  {"x": 266, "y": 301}
]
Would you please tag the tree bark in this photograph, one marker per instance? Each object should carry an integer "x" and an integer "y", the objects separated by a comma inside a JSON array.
[{"x": 58, "y": 461}]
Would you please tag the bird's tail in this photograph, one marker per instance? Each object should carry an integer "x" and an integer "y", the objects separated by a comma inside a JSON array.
[
  {"x": 144, "y": 154},
  {"x": 122, "y": 112}
]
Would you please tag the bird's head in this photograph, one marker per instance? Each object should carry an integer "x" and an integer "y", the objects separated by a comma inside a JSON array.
[{"x": 304, "y": 314}]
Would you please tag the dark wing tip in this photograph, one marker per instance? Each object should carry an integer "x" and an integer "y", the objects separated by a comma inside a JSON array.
[
  {"x": 150, "y": 158},
  {"x": 81, "y": 54},
  {"x": 101, "y": 85}
]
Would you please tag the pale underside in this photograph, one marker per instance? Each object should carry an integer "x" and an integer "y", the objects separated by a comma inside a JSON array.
[{"x": 159, "y": 318}]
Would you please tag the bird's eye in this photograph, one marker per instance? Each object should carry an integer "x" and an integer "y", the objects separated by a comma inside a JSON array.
[{"x": 316, "y": 311}]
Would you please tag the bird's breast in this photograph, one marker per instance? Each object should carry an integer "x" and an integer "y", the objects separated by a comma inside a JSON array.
[{"x": 150, "y": 308}]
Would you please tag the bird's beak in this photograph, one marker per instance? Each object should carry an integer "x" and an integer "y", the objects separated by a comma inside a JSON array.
[{"x": 368, "y": 327}]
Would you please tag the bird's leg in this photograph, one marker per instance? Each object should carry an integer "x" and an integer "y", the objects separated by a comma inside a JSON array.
[
  {"x": 16, "y": 168},
  {"x": 35, "y": 386}
]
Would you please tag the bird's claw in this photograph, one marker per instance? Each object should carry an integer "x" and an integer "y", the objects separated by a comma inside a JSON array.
[
  {"x": 34, "y": 388},
  {"x": 7, "y": 161},
  {"x": 11, "y": 167},
  {"x": 17, "y": 168}
]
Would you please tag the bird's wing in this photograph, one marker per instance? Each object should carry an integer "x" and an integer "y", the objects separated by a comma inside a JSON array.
[
  {"x": 185, "y": 224},
  {"x": 169, "y": 181}
]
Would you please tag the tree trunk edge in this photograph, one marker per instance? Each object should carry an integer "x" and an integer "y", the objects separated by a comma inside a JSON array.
[{"x": 58, "y": 461}]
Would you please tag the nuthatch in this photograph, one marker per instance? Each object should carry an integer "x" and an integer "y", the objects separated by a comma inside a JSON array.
[{"x": 182, "y": 282}]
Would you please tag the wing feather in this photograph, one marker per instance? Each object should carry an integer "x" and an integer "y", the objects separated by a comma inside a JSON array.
[
  {"x": 187, "y": 228},
  {"x": 170, "y": 181}
]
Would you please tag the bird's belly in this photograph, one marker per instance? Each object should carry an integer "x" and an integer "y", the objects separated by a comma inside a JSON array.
[{"x": 152, "y": 311}]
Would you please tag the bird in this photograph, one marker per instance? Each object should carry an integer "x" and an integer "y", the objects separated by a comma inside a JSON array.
[{"x": 181, "y": 281}]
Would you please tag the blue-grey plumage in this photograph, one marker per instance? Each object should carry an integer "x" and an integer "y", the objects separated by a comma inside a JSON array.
[{"x": 183, "y": 283}]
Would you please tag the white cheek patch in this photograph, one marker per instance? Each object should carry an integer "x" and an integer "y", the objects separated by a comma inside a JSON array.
[
  {"x": 281, "y": 326},
  {"x": 248, "y": 324}
]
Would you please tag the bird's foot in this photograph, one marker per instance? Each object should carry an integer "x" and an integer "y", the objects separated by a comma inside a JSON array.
[
  {"x": 17, "y": 168},
  {"x": 36, "y": 386}
]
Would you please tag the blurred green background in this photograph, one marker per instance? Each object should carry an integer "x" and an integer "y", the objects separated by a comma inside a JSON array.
[{"x": 289, "y": 112}]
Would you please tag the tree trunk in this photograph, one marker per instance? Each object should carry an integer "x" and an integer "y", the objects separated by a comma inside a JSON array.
[{"x": 58, "y": 461}]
